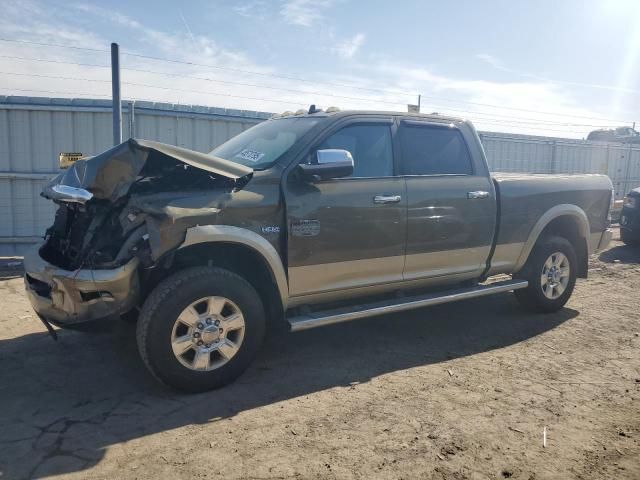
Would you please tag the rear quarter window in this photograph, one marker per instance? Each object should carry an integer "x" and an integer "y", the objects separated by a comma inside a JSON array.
[{"x": 431, "y": 150}]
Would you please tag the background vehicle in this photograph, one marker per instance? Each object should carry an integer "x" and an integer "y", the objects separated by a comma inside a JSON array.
[
  {"x": 630, "y": 218},
  {"x": 620, "y": 134},
  {"x": 305, "y": 221}
]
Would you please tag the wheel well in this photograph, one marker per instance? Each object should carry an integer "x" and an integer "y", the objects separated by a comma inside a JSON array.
[
  {"x": 567, "y": 226},
  {"x": 234, "y": 257}
]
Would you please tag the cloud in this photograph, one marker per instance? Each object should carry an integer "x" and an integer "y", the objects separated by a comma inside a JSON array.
[
  {"x": 304, "y": 12},
  {"x": 349, "y": 47},
  {"x": 233, "y": 79},
  {"x": 23, "y": 18},
  {"x": 253, "y": 9},
  {"x": 499, "y": 65},
  {"x": 193, "y": 48},
  {"x": 491, "y": 60},
  {"x": 535, "y": 107}
]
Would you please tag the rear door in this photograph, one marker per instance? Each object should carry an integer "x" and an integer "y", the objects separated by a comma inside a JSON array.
[
  {"x": 451, "y": 203},
  {"x": 348, "y": 233}
]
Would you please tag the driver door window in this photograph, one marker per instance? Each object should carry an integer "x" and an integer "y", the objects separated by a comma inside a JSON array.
[{"x": 369, "y": 145}]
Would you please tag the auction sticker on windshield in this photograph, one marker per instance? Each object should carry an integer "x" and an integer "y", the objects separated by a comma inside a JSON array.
[{"x": 250, "y": 155}]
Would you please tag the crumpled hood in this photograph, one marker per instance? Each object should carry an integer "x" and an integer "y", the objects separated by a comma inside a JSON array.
[{"x": 109, "y": 175}]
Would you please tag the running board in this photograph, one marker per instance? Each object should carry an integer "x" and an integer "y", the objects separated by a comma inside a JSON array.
[{"x": 329, "y": 317}]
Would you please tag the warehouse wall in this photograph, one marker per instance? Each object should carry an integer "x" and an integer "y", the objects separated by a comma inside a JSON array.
[{"x": 33, "y": 131}]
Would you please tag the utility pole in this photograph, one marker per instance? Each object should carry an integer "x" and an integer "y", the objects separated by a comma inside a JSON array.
[
  {"x": 132, "y": 119},
  {"x": 115, "y": 91},
  {"x": 419, "y": 98}
]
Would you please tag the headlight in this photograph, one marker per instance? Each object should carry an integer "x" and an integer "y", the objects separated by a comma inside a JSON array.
[{"x": 631, "y": 202}]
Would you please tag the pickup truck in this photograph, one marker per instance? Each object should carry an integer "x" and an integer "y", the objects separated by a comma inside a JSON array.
[{"x": 304, "y": 220}]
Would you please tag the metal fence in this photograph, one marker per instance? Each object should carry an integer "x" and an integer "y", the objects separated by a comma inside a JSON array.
[
  {"x": 530, "y": 154},
  {"x": 34, "y": 131}
]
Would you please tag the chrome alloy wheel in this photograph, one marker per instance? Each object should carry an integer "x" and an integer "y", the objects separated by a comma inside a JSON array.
[
  {"x": 555, "y": 275},
  {"x": 208, "y": 333}
]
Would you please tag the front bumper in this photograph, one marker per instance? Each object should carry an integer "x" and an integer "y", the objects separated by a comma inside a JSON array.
[{"x": 67, "y": 298}]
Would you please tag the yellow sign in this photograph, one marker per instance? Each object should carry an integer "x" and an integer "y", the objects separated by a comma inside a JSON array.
[{"x": 67, "y": 159}]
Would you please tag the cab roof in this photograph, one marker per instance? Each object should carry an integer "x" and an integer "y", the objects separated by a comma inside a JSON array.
[{"x": 434, "y": 117}]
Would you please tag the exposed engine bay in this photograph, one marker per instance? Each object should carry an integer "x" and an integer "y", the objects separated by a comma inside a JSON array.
[{"x": 135, "y": 190}]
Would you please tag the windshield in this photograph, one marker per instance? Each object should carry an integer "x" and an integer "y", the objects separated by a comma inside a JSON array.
[{"x": 260, "y": 146}]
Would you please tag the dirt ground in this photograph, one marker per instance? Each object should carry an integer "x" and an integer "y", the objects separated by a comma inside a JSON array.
[{"x": 459, "y": 391}]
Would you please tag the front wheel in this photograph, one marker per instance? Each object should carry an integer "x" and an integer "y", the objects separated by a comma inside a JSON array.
[
  {"x": 200, "y": 328},
  {"x": 551, "y": 272}
]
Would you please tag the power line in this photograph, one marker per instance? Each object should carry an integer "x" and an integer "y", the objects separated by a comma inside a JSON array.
[
  {"x": 273, "y": 75},
  {"x": 29, "y": 42},
  {"x": 92, "y": 94},
  {"x": 304, "y": 80},
  {"x": 58, "y": 92},
  {"x": 269, "y": 87},
  {"x": 526, "y": 110},
  {"x": 582, "y": 132},
  {"x": 38, "y": 75},
  {"x": 300, "y": 79},
  {"x": 511, "y": 119},
  {"x": 199, "y": 92},
  {"x": 150, "y": 57},
  {"x": 54, "y": 61},
  {"x": 207, "y": 79},
  {"x": 231, "y": 69},
  {"x": 478, "y": 116}
]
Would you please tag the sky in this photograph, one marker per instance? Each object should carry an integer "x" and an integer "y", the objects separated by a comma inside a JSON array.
[{"x": 557, "y": 68}]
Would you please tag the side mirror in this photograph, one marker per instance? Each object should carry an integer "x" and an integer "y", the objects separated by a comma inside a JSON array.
[{"x": 331, "y": 163}]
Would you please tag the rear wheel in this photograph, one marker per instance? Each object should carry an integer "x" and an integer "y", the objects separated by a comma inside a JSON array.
[
  {"x": 551, "y": 272},
  {"x": 200, "y": 328}
]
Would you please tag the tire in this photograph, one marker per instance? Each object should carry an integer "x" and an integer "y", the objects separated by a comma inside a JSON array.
[
  {"x": 181, "y": 295},
  {"x": 628, "y": 239},
  {"x": 534, "y": 298},
  {"x": 131, "y": 316}
]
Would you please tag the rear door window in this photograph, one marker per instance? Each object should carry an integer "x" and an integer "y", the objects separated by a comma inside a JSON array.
[{"x": 432, "y": 150}]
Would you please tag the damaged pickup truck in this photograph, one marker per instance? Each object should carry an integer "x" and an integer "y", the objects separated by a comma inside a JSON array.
[{"x": 302, "y": 221}]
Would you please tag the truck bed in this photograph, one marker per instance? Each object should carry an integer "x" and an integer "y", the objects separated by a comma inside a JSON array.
[{"x": 523, "y": 199}]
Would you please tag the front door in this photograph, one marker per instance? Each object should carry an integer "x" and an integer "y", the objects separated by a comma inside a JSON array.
[
  {"x": 451, "y": 203},
  {"x": 350, "y": 232}
]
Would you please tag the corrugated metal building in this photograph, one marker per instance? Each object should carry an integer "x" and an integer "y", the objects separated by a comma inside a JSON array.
[{"x": 33, "y": 131}]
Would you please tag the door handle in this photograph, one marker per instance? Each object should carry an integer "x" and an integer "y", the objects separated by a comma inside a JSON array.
[
  {"x": 477, "y": 194},
  {"x": 381, "y": 199}
]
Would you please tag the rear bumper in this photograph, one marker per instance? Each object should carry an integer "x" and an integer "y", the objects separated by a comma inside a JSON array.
[{"x": 67, "y": 298}]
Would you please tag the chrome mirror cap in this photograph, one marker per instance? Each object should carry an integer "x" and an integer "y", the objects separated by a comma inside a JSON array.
[
  {"x": 333, "y": 155},
  {"x": 330, "y": 164}
]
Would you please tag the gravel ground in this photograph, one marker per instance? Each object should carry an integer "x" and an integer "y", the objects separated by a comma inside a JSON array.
[{"x": 459, "y": 391}]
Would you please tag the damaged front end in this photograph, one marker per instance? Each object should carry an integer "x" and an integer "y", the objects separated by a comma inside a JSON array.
[{"x": 118, "y": 214}]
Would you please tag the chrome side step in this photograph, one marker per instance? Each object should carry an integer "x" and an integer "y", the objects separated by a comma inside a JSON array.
[{"x": 329, "y": 317}]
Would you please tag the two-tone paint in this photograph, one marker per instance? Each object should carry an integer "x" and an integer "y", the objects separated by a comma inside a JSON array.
[{"x": 346, "y": 238}]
